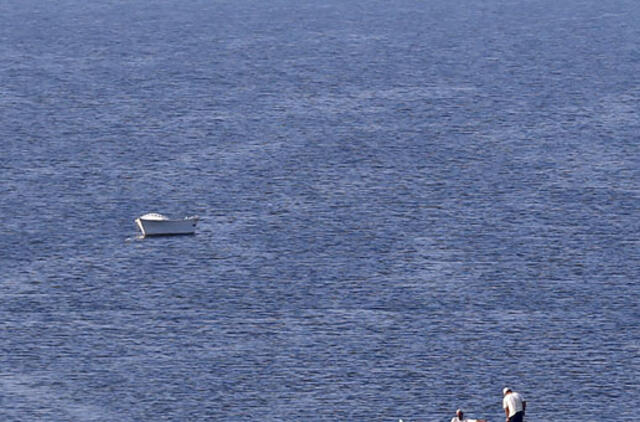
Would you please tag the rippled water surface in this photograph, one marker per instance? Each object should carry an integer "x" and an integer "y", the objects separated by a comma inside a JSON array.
[{"x": 405, "y": 207}]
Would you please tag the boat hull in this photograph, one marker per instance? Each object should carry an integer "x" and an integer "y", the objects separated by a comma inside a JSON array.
[{"x": 167, "y": 227}]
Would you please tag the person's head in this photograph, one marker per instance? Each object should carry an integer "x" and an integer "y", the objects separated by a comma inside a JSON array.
[
  {"x": 505, "y": 391},
  {"x": 459, "y": 413}
]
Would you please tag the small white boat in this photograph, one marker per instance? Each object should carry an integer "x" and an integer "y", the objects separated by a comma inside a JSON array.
[{"x": 154, "y": 224}]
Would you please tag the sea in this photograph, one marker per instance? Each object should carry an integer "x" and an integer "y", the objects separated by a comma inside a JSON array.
[{"x": 404, "y": 205}]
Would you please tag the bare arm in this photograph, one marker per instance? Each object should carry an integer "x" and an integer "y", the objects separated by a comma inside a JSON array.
[{"x": 524, "y": 406}]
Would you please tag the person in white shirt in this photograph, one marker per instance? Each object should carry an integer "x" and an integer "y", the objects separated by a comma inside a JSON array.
[
  {"x": 460, "y": 418},
  {"x": 513, "y": 404}
]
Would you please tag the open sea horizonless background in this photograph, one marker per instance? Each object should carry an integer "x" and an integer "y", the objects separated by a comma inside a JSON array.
[{"x": 406, "y": 205}]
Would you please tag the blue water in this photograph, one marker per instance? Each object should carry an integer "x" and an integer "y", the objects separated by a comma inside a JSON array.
[{"x": 405, "y": 207}]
